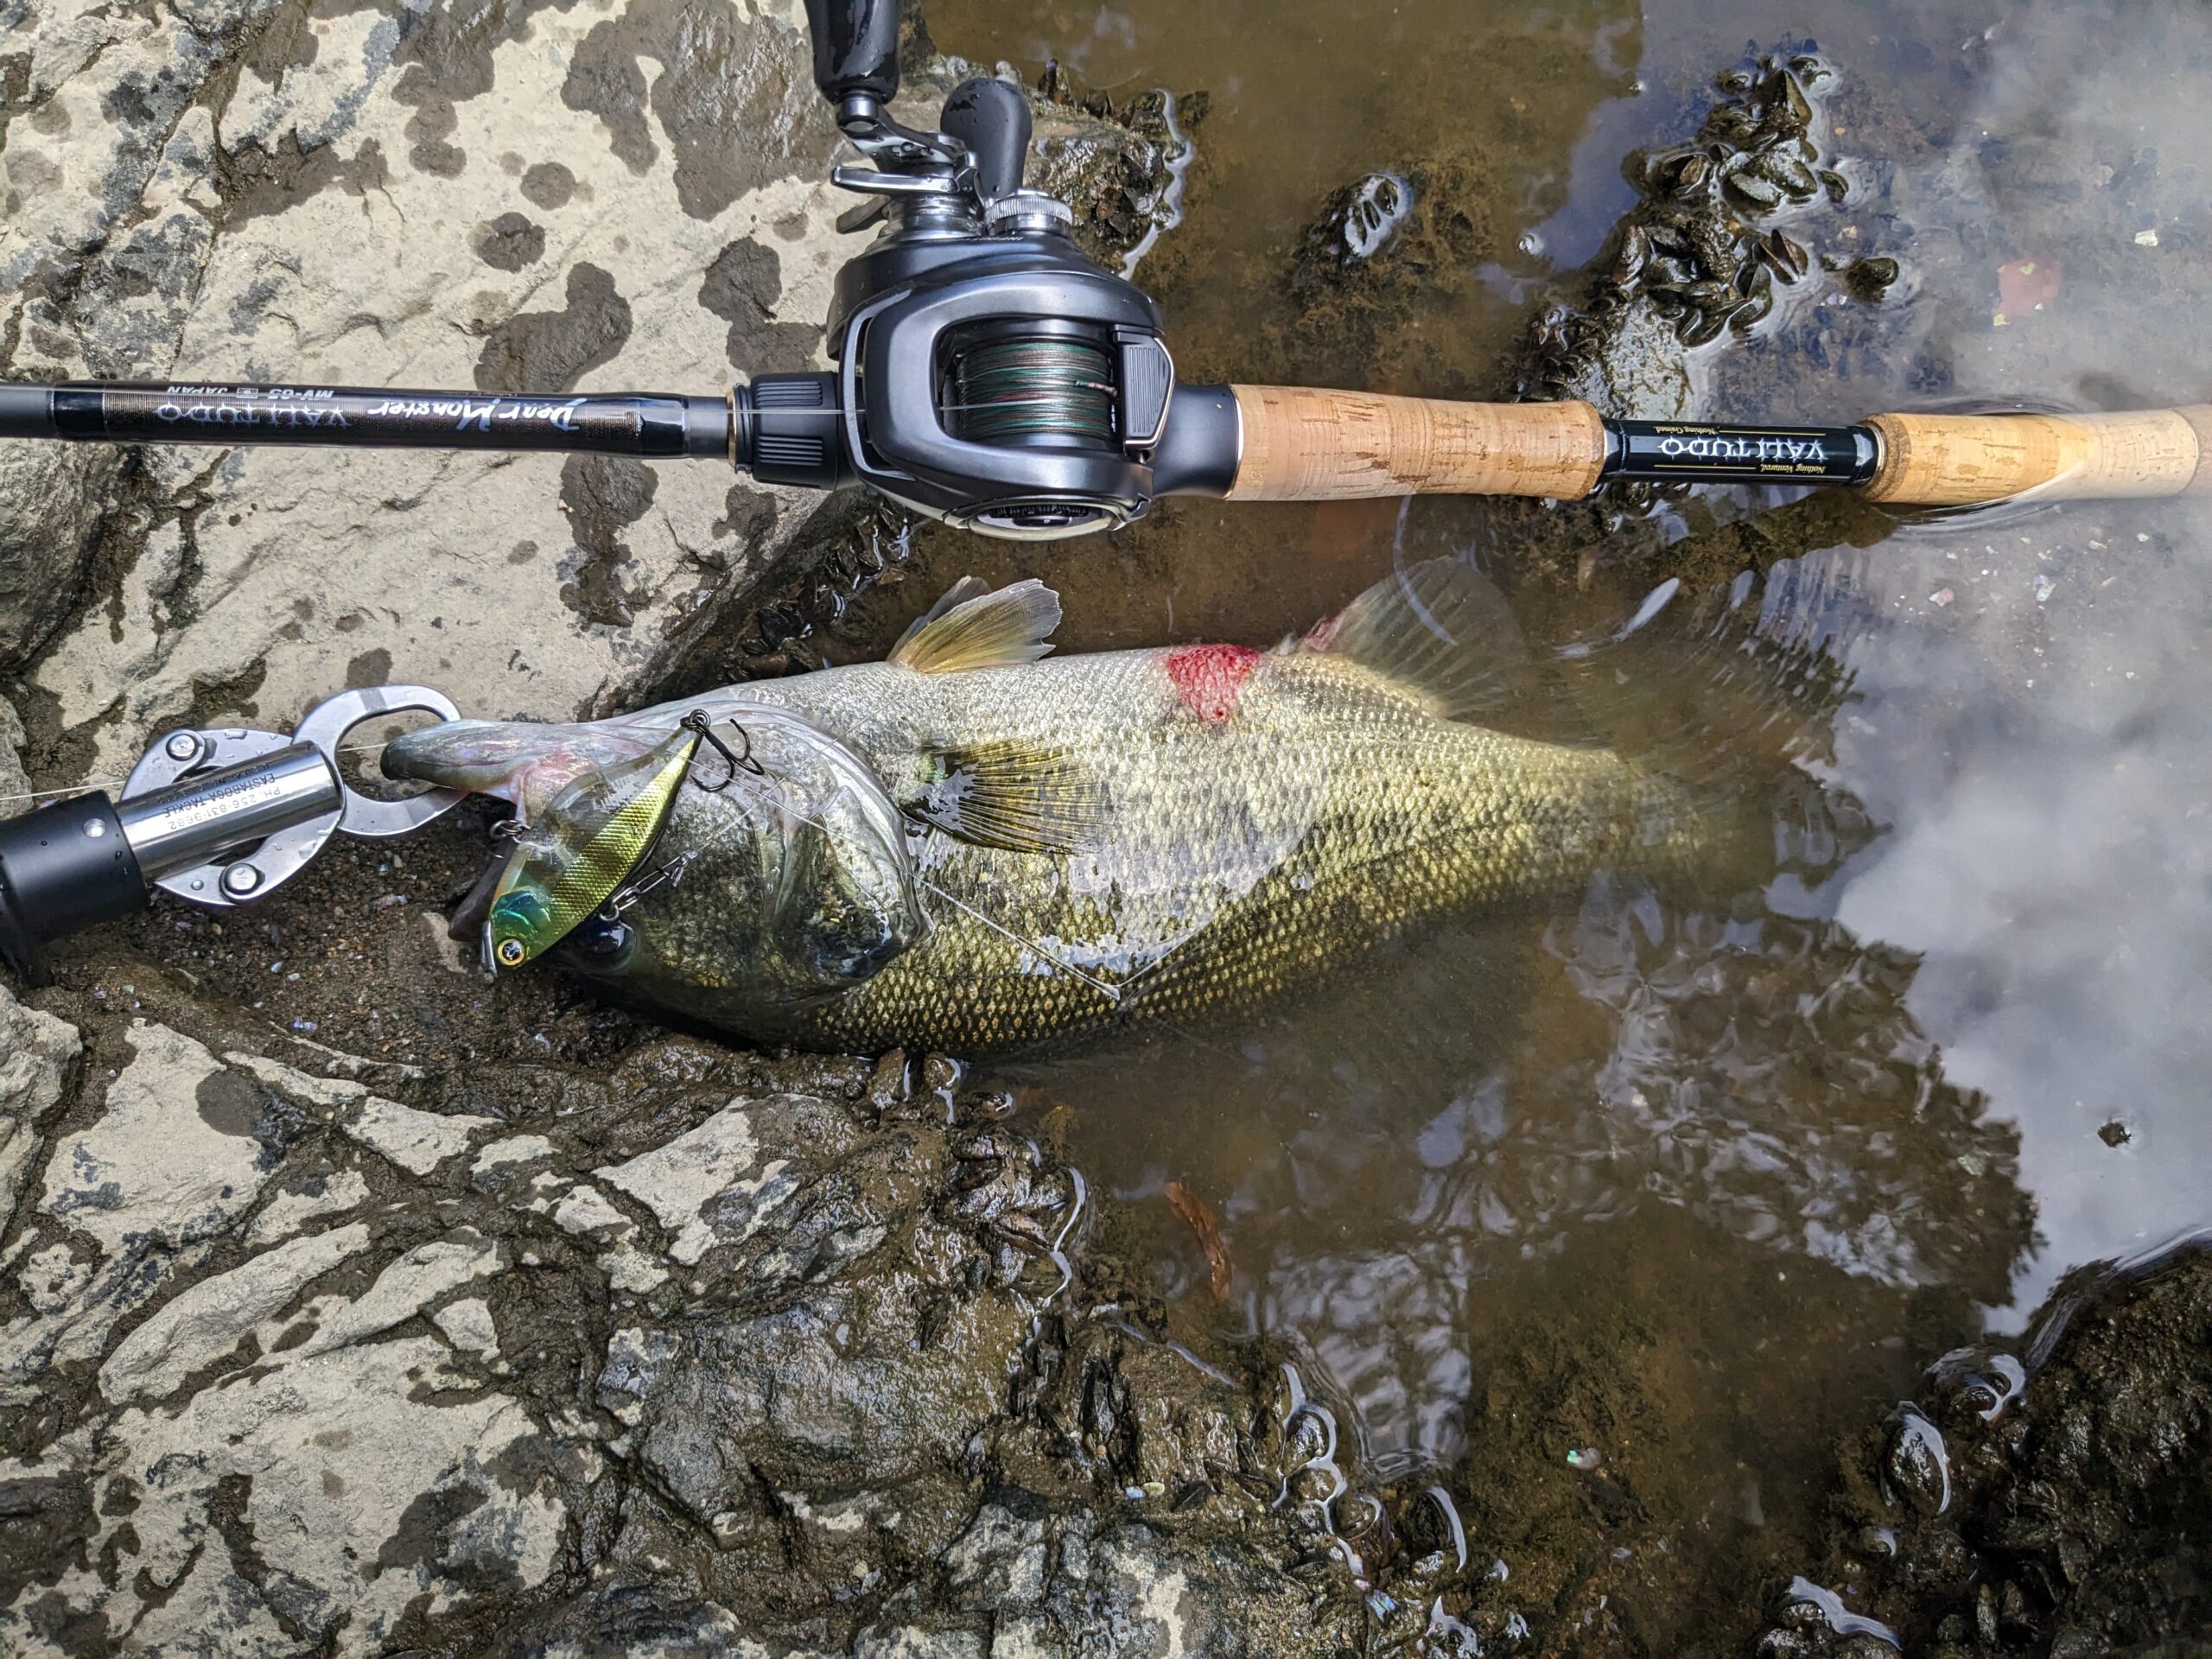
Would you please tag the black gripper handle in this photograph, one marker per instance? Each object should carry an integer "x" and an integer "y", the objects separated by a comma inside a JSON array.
[
  {"x": 991, "y": 118},
  {"x": 63, "y": 868},
  {"x": 855, "y": 47}
]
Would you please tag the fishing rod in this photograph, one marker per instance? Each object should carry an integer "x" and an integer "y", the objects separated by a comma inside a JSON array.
[{"x": 989, "y": 374}]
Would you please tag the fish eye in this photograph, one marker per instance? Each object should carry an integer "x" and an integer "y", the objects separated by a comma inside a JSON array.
[{"x": 512, "y": 952}]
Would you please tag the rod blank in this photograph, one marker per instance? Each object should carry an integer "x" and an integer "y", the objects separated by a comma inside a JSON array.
[
  {"x": 623, "y": 423},
  {"x": 1291, "y": 443}
]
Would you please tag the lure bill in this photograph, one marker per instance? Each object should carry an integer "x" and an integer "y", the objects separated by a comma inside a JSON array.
[{"x": 593, "y": 833}]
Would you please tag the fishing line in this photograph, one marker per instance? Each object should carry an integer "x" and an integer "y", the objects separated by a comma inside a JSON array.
[
  {"x": 1113, "y": 994},
  {"x": 1110, "y": 993}
]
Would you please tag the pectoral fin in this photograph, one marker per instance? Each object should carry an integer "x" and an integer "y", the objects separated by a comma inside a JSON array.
[
  {"x": 1012, "y": 796},
  {"x": 971, "y": 627}
]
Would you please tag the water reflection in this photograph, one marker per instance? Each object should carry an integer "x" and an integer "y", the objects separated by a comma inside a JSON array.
[
  {"x": 1670, "y": 1165},
  {"x": 1484, "y": 1094}
]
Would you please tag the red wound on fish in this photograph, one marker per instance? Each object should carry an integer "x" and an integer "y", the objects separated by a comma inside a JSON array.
[{"x": 1209, "y": 677}]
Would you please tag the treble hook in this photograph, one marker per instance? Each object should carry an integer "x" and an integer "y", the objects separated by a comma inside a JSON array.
[{"x": 700, "y": 722}]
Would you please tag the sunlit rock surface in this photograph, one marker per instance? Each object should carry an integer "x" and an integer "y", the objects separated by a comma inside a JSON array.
[{"x": 539, "y": 197}]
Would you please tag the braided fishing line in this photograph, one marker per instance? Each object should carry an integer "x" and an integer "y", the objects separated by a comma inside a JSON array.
[{"x": 1009, "y": 390}]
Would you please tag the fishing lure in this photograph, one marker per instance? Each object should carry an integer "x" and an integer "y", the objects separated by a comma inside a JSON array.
[{"x": 609, "y": 818}]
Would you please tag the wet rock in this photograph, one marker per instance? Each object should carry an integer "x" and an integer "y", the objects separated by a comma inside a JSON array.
[
  {"x": 15, "y": 782},
  {"x": 1383, "y": 247},
  {"x": 2066, "y": 1519},
  {"x": 201, "y": 1324},
  {"x": 1716, "y": 246},
  {"x": 691, "y": 1348},
  {"x": 104, "y": 227},
  {"x": 36, "y": 1050},
  {"x": 144, "y": 1172},
  {"x": 506, "y": 201}
]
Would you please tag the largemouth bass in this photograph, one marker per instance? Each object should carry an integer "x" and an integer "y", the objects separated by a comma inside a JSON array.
[{"x": 968, "y": 847}]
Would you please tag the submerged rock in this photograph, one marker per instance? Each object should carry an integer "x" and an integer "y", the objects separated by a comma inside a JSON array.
[
  {"x": 1715, "y": 246},
  {"x": 2051, "y": 1500}
]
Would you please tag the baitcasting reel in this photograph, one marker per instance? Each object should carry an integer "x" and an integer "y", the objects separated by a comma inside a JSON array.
[{"x": 988, "y": 373}]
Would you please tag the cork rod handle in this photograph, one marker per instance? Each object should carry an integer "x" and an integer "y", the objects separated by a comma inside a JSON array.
[
  {"x": 1301, "y": 444},
  {"x": 1304, "y": 444},
  {"x": 1934, "y": 460}
]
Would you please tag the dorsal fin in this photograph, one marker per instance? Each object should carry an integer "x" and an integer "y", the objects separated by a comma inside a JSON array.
[
  {"x": 960, "y": 593},
  {"x": 1441, "y": 631},
  {"x": 972, "y": 628}
]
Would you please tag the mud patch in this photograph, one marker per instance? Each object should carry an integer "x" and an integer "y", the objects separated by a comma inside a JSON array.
[
  {"x": 510, "y": 242},
  {"x": 734, "y": 99},
  {"x": 549, "y": 185},
  {"x": 2050, "y": 1500},
  {"x": 550, "y": 351},
  {"x": 743, "y": 287},
  {"x": 602, "y": 495},
  {"x": 255, "y": 182}
]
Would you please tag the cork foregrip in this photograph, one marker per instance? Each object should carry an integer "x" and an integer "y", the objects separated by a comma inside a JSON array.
[
  {"x": 1306, "y": 445},
  {"x": 1941, "y": 460}
]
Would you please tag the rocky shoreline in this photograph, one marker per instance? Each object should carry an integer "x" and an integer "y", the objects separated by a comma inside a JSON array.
[{"x": 345, "y": 1308}]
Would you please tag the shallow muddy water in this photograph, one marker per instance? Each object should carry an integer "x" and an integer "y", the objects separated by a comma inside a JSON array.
[{"x": 1678, "y": 1182}]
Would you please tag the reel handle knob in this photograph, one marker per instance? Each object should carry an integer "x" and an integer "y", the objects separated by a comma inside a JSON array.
[
  {"x": 991, "y": 118},
  {"x": 855, "y": 48}
]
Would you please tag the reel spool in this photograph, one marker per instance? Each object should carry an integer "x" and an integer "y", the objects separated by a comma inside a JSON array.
[
  {"x": 1040, "y": 386},
  {"x": 1036, "y": 391}
]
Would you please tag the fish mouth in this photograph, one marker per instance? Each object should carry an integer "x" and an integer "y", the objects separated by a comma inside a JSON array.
[{"x": 526, "y": 763}]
